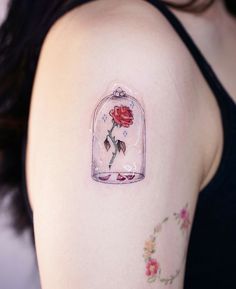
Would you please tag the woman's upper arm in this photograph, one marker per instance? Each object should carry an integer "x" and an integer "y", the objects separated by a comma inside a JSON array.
[{"x": 90, "y": 234}]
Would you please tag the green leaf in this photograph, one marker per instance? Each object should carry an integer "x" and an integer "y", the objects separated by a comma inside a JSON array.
[
  {"x": 107, "y": 144},
  {"x": 121, "y": 146}
]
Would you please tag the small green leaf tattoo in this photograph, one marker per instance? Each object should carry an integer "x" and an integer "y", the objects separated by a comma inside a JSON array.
[
  {"x": 107, "y": 144},
  {"x": 121, "y": 146}
]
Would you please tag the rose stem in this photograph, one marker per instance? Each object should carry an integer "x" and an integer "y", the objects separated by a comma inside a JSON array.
[{"x": 114, "y": 143}]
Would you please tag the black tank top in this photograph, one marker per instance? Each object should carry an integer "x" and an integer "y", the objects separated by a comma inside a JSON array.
[{"x": 211, "y": 255}]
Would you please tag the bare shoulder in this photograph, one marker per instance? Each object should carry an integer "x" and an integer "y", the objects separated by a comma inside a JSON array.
[
  {"x": 132, "y": 40},
  {"x": 122, "y": 35},
  {"x": 134, "y": 22},
  {"x": 78, "y": 125}
]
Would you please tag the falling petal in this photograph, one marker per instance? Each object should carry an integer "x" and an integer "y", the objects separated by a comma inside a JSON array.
[
  {"x": 120, "y": 177},
  {"x": 129, "y": 177},
  {"x": 104, "y": 178}
]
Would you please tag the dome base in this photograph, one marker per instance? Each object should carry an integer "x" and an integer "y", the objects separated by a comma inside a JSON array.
[{"x": 118, "y": 177}]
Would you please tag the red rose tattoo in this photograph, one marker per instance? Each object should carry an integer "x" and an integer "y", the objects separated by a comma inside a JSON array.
[{"x": 122, "y": 116}]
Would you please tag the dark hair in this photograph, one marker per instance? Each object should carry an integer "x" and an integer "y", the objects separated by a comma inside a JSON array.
[{"x": 21, "y": 37}]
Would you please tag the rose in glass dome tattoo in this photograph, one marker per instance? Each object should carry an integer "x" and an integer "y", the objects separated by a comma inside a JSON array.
[{"x": 119, "y": 139}]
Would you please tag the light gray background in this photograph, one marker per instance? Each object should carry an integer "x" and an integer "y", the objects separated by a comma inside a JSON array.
[{"x": 18, "y": 268}]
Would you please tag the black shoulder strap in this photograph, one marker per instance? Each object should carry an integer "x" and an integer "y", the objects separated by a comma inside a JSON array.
[
  {"x": 201, "y": 61},
  {"x": 226, "y": 104}
]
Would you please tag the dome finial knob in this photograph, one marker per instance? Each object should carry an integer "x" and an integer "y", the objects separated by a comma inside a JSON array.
[{"x": 119, "y": 92}]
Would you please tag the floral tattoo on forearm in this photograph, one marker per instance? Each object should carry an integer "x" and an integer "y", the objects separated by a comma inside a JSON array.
[{"x": 153, "y": 267}]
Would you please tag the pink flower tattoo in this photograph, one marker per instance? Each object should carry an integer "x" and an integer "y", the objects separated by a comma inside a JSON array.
[
  {"x": 152, "y": 267},
  {"x": 183, "y": 218}
]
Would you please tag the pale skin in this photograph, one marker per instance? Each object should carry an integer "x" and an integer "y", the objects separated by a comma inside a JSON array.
[{"x": 91, "y": 235}]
